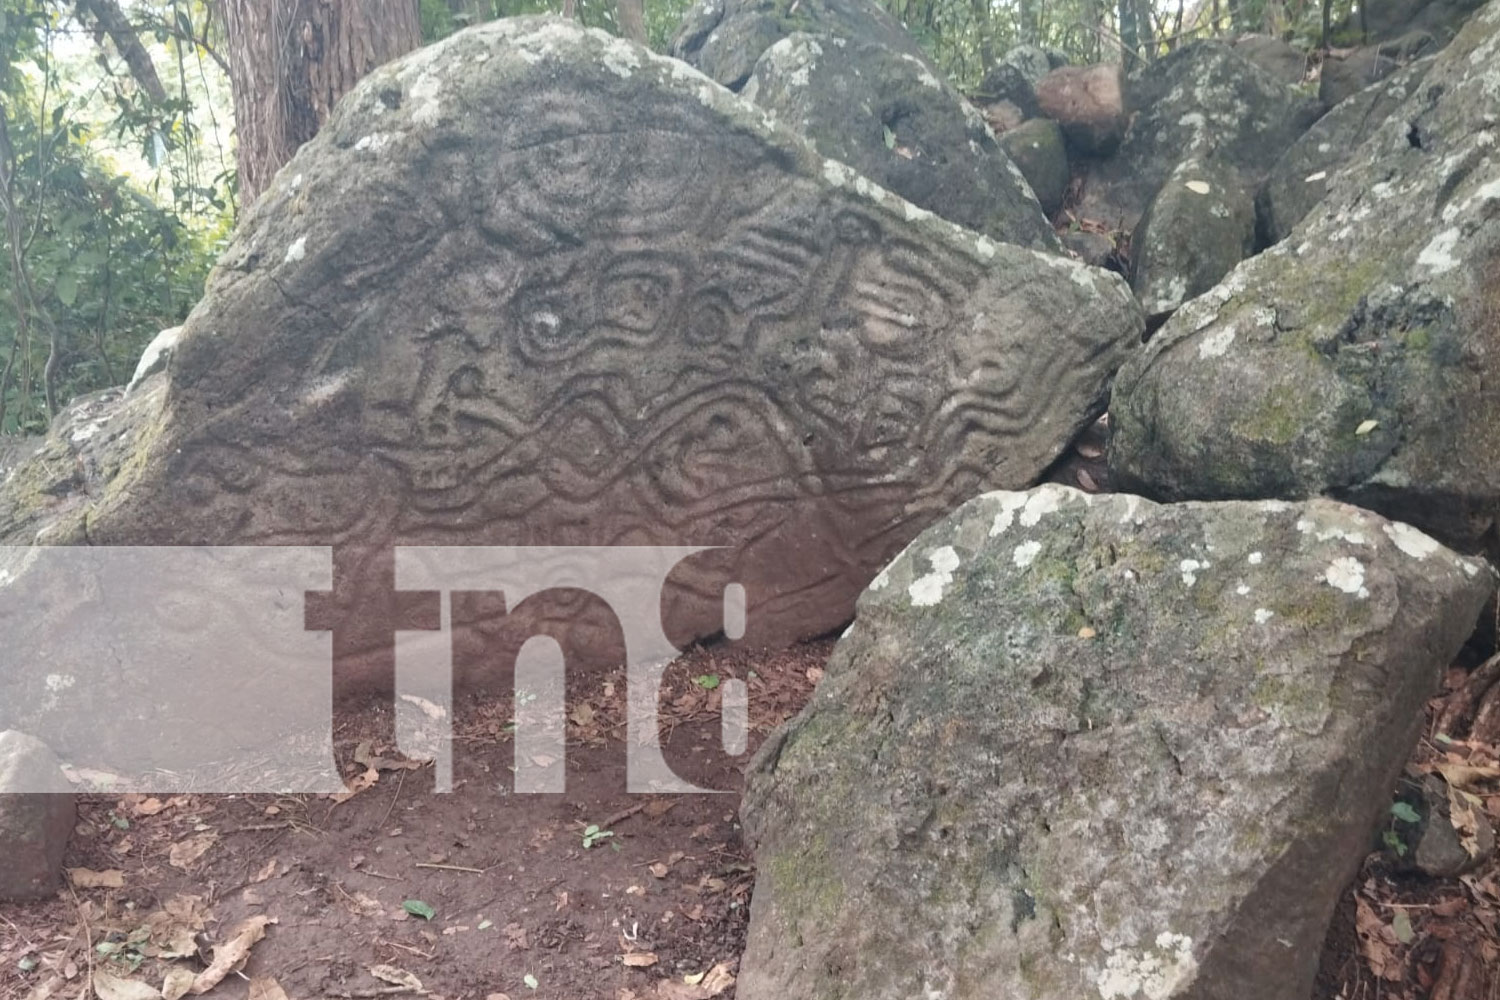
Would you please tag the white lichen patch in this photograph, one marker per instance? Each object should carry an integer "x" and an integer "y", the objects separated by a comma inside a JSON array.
[
  {"x": 59, "y": 682},
  {"x": 1006, "y": 515},
  {"x": 1150, "y": 975},
  {"x": 1043, "y": 501},
  {"x": 1243, "y": 590},
  {"x": 1321, "y": 175},
  {"x": 621, "y": 58},
  {"x": 1214, "y": 345},
  {"x": 297, "y": 251},
  {"x": 882, "y": 580},
  {"x": 1263, "y": 615},
  {"x": 1255, "y": 558},
  {"x": 924, "y": 75},
  {"x": 374, "y": 142},
  {"x": 1437, "y": 255},
  {"x": 1026, "y": 553},
  {"x": 1347, "y": 574},
  {"x": 1415, "y": 543},
  {"x": 1190, "y": 568},
  {"x": 927, "y": 590}
]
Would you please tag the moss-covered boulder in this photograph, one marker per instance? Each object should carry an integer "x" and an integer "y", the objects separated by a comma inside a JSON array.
[
  {"x": 1199, "y": 226},
  {"x": 1082, "y": 746},
  {"x": 1301, "y": 177},
  {"x": 1037, "y": 149},
  {"x": 1357, "y": 358}
]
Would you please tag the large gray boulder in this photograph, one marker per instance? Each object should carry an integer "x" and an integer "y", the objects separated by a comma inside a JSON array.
[
  {"x": 725, "y": 38},
  {"x": 1199, "y": 226},
  {"x": 887, "y": 115},
  {"x": 1203, "y": 100},
  {"x": 37, "y": 814},
  {"x": 1301, "y": 177},
  {"x": 1088, "y": 746},
  {"x": 1281, "y": 59},
  {"x": 495, "y": 302},
  {"x": 1349, "y": 73},
  {"x": 1356, "y": 358},
  {"x": 1383, "y": 20}
]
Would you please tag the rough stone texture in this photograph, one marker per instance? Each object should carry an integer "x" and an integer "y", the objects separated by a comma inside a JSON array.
[
  {"x": 494, "y": 303},
  {"x": 1095, "y": 747},
  {"x": 1301, "y": 177},
  {"x": 1038, "y": 150},
  {"x": 1435, "y": 847},
  {"x": 1088, "y": 102},
  {"x": 1202, "y": 100},
  {"x": 1200, "y": 225},
  {"x": 1032, "y": 60},
  {"x": 1007, "y": 98},
  {"x": 886, "y": 114},
  {"x": 1094, "y": 249},
  {"x": 1383, "y": 20},
  {"x": 1346, "y": 75},
  {"x": 1282, "y": 60},
  {"x": 1357, "y": 358},
  {"x": 726, "y": 38},
  {"x": 37, "y": 814}
]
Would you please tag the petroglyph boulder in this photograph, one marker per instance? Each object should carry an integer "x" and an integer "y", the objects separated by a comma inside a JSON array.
[{"x": 537, "y": 285}]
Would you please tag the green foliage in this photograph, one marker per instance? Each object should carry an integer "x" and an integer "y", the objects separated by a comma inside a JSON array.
[{"x": 95, "y": 262}]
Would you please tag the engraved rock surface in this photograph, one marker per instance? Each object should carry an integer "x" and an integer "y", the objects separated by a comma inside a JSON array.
[
  {"x": 1091, "y": 746},
  {"x": 536, "y": 285},
  {"x": 1357, "y": 358}
]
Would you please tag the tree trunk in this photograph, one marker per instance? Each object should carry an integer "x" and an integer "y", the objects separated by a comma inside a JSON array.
[
  {"x": 110, "y": 20},
  {"x": 632, "y": 19},
  {"x": 291, "y": 60}
]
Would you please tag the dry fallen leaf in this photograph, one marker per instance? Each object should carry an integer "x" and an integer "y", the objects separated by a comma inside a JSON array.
[
  {"x": 1378, "y": 942},
  {"x": 108, "y": 987},
  {"x": 230, "y": 955},
  {"x": 659, "y": 870},
  {"x": 396, "y": 977},
  {"x": 640, "y": 959},
  {"x": 85, "y": 878},
  {"x": 185, "y": 853},
  {"x": 150, "y": 807},
  {"x": 707, "y": 985},
  {"x": 266, "y": 872},
  {"x": 266, "y": 988},
  {"x": 177, "y": 983},
  {"x": 356, "y": 785}
]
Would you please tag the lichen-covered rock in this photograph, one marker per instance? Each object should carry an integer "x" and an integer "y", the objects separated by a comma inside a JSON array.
[
  {"x": 726, "y": 38},
  {"x": 887, "y": 115},
  {"x": 1345, "y": 75},
  {"x": 1039, "y": 152},
  {"x": 1199, "y": 226},
  {"x": 1088, "y": 102},
  {"x": 1301, "y": 177},
  {"x": 1282, "y": 60},
  {"x": 37, "y": 814},
  {"x": 1082, "y": 746},
  {"x": 1203, "y": 100},
  {"x": 1007, "y": 98},
  {"x": 1033, "y": 61},
  {"x": 535, "y": 285},
  {"x": 1357, "y": 358}
]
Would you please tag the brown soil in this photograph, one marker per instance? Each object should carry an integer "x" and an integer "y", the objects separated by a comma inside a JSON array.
[{"x": 657, "y": 911}]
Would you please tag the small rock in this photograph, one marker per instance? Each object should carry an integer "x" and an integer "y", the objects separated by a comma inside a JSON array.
[
  {"x": 37, "y": 814},
  {"x": 1344, "y": 76},
  {"x": 1439, "y": 849}
]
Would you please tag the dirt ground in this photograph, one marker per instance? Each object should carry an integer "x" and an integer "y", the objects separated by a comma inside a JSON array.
[{"x": 478, "y": 895}]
